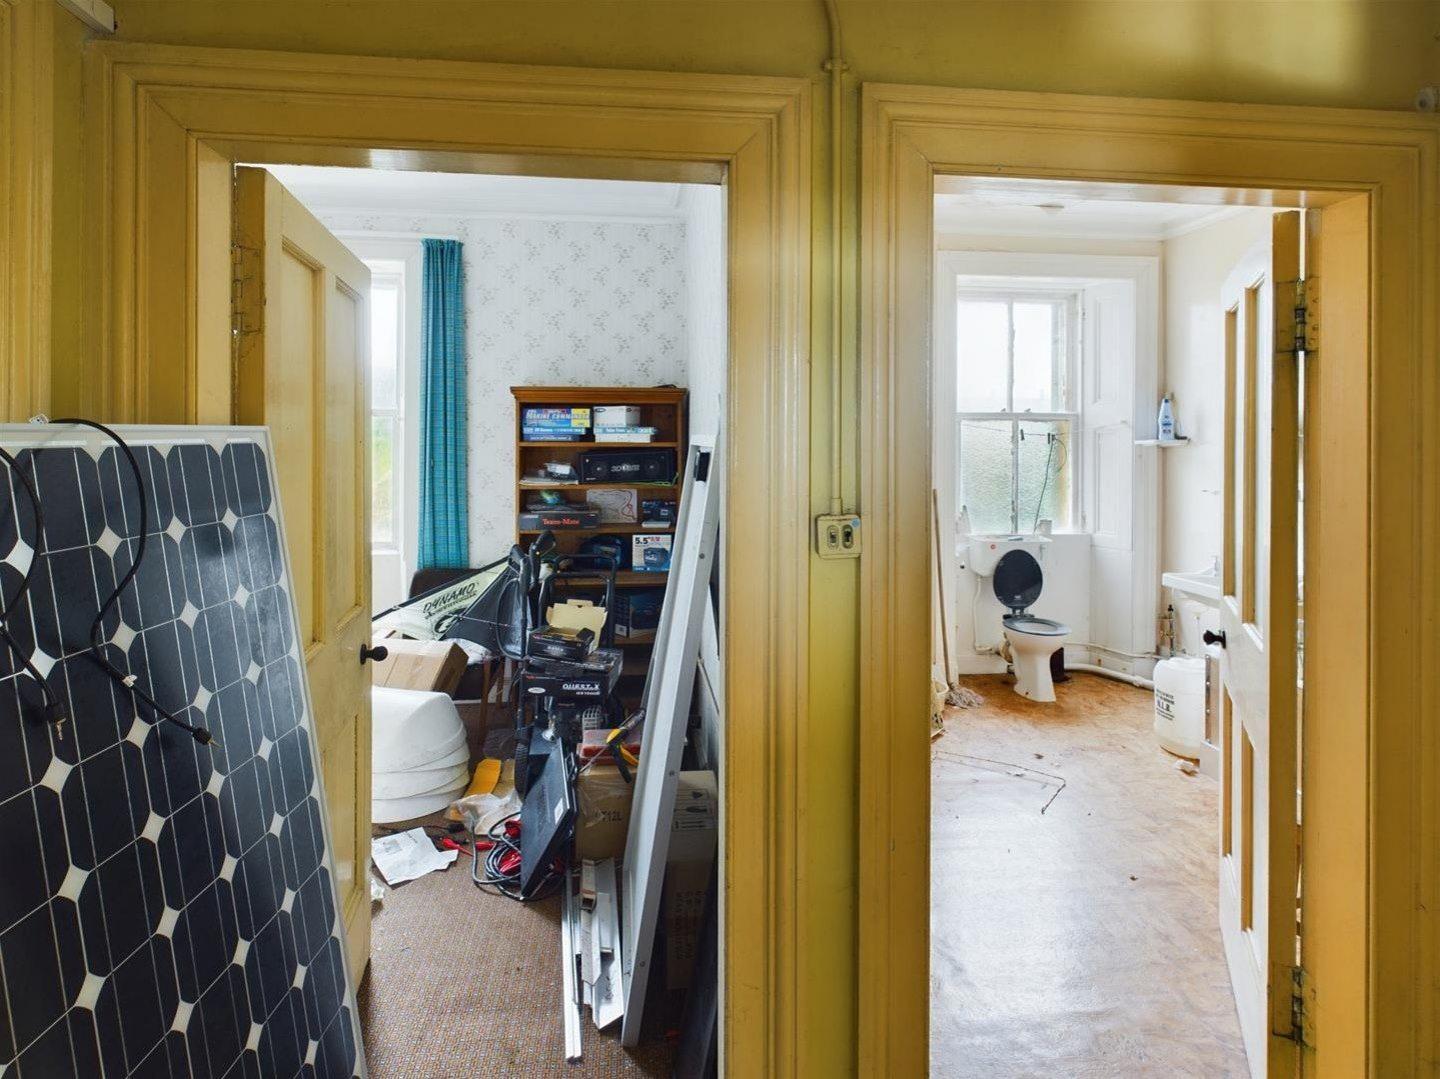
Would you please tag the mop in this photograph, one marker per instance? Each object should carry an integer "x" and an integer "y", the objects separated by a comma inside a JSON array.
[{"x": 955, "y": 695}]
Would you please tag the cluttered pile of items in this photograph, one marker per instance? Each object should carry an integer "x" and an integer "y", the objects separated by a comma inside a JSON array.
[{"x": 571, "y": 793}]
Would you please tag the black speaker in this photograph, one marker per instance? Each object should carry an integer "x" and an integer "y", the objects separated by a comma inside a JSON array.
[{"x": 628, "y": 466}]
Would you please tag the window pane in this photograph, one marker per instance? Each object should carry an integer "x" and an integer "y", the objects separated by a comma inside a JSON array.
[
  {"x": 985, "y": 463},
  {"x": 382, "y": 486},
  {"x": 982, "y": 342},
  {"x": 1045, "y": 474},
  {"x": 1039, "y": 362},
  {"x": 384, "y": 344}
]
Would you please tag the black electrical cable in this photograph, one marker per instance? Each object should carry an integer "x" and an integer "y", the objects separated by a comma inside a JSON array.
[
  {"x": 497, "y": 879},
  {"x": 97, "y": 644},
  {"x": 54, "y": 709}
]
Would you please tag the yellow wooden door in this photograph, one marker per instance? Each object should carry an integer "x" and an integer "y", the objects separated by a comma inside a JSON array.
[
  {"x": 1259, "y": 863},
  {"x": 302, "y": 369}
]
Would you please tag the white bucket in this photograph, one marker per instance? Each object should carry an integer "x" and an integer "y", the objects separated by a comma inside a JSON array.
[{"x": 1180, "y": 705}]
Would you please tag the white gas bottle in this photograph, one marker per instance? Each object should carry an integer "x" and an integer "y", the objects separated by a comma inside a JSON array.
[{"x": 1180, "y": 705}]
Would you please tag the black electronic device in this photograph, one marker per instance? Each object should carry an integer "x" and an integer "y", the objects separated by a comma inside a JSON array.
[
  {"x": 562, "y": 642},
  {"x": 547, "y": 816},
  {"x": 594, "y": 677},
  {"x": 627, "y": 466}
]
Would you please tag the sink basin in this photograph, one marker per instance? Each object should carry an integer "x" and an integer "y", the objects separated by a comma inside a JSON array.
[{"x": 1202, "y": 585}]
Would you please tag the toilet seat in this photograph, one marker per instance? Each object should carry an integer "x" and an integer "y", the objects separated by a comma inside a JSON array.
[{"x": 1038, "y": 627}]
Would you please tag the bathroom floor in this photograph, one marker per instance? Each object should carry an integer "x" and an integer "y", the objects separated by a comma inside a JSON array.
[{"x": 1081, "y": 940}]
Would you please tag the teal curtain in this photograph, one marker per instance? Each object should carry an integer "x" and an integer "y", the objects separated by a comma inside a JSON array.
[{"x": 444, "y": 491}]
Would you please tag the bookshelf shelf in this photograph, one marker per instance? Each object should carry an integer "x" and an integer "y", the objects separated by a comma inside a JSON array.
[{"x": 600, "y": 445}]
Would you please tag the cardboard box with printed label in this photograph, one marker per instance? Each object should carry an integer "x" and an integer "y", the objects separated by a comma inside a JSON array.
[
  {"x": 694, "y": 830},
  {"x": 604, "y": 800}
]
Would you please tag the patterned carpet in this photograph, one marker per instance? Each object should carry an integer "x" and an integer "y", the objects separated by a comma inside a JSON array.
[
  {"x": 463, "y": 984},
  {"x": 1082, "y": 941}
]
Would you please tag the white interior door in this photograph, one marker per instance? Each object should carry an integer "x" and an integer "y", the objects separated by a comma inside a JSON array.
[{"x": 1259, "y": 805}]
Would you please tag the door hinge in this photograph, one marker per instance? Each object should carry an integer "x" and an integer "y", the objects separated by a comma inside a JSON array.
[
  {"x": 1297, "y": 328},
  {"x": 247, "y": 301},
  {"x": 1302, "y": 1008}
]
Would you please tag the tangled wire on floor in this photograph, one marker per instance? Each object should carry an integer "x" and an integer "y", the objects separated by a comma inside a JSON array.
[{"x": 500, "y": 874}]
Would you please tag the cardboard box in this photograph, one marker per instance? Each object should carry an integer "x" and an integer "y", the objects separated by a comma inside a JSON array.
[
  {"x": 695, "y": 828},
  {"x": 475, "y": 715},
  {"x": 650, "y": 553},
  {"x": 617, "y": 415},
  {"x": 604, "y": 819},
  {"x": 435, "y": 666}
]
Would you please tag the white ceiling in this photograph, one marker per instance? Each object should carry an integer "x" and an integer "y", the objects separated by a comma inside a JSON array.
[
  {"x": 1030, "y": 208},
  {"x": 326, "y": 189}
]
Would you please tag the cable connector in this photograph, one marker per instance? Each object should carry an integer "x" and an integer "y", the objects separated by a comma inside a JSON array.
[
  {"x": 205, "y": 738},
  {"x": 57, "y": 716}
]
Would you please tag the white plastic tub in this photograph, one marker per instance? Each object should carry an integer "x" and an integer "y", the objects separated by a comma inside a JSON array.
[{"x": 1180, "y": 705}]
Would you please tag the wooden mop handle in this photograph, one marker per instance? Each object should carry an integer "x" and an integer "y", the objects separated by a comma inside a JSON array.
[{"x": 940, "y": 586}]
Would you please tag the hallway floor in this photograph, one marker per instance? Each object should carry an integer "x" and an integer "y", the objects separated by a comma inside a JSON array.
[{"x": 1083, "y": 940}]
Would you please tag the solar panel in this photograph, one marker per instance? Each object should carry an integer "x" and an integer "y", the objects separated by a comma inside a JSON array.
[{"x": 166, "y": 908}]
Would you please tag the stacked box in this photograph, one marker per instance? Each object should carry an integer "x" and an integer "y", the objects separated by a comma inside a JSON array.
[
  {"x": 555, "y": 419},
  {"x": 638, "y": 611},
  {"x": 650, "y": 553}
]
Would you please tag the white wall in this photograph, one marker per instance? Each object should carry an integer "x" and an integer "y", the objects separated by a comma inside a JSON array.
[
  {"x": 707, "y": 334},
  {"x": 549, "y": 300},
  {"x": 1196, "y": 265}
]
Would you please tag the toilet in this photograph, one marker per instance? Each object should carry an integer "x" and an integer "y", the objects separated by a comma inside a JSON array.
[{"x": 1032, "y": 640}]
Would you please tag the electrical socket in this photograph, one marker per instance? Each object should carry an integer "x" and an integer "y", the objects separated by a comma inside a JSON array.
[{"x": 837, "y": 535}]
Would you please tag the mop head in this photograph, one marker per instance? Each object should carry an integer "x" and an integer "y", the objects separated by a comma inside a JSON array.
[{"x": 960, "y": 697}]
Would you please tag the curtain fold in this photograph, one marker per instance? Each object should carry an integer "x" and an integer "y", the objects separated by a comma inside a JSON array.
[{"x": 444, "y": 489}]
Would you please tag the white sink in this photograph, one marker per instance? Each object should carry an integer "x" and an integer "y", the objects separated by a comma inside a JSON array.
[{"x": 1202, "y": 585}]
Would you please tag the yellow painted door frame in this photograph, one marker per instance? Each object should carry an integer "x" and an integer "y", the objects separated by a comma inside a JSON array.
[
  {"x": 167, "y": 122},
  {"x": 27, "y": 29},
  {"x": 1370, "y": 839}
]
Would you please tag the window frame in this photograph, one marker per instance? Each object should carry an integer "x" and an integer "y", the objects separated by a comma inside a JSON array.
[
  {"x": 392, "y": 270},
  {"x": 402, "y": 248},
  {"x": 1067, "y": 338}
]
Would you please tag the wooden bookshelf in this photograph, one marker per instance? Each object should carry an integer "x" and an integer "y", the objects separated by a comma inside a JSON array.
[{"x": 661, "y": 407}]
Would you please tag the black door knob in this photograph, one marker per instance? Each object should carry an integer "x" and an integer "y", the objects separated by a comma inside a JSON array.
[
  {"x": 379, "y": 653},
  {"x": 1211, "y": 637}
]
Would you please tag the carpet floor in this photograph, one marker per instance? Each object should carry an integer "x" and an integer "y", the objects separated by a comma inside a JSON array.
[
  {"x": 1074, "y": 895},
  {"x": 465, "y": 985}
]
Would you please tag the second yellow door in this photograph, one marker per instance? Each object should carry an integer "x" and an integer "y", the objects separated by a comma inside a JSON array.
[{"x": 302, "y": 369}]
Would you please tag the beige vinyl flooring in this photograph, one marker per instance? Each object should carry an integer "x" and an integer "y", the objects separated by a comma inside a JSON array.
[{"x": 1081, "y": 941}]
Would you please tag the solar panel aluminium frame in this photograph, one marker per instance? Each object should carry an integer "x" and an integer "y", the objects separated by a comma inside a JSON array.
[
  {"x": 40, "y": 436},
  {"x": 667, "y": 709}
]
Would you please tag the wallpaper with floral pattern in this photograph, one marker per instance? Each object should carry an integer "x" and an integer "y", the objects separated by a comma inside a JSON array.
[{"x": 551, "y": 301}]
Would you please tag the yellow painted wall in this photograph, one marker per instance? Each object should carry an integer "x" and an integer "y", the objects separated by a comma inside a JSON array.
[{"x": 1370, "y": 53}]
